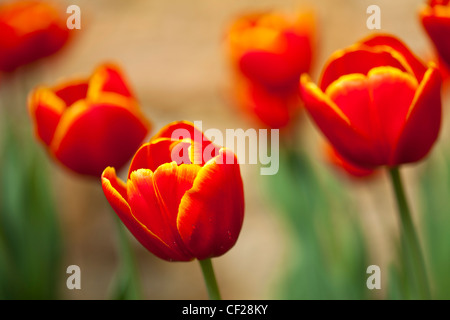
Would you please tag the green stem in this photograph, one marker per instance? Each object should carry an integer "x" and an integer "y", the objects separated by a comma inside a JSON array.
[
  {"x": 210, "y": 279},
  {"x": 127, "y": 286},
  {"x": 415, "y": 263}
]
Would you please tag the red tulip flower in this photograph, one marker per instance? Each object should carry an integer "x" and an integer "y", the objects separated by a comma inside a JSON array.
[
  {"x": 90, "y": 124},
  {"x": 270, "y": 49},
  {"x": 377, "y": 104},
  {"x": 435, "y": 17},
  {"x": 180, "y": 208},
  {"x": 29, "y": 30},
  {"x": 269, "y": 52}
]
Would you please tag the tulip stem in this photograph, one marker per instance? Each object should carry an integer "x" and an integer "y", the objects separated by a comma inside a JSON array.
[
  {"x": 210, "y": 279},
  {"x": 414, "y": 261},
  {"x": 128, "y": 285}
]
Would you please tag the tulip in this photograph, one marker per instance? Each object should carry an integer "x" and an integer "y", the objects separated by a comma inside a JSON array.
[
  {"x": 30, "y": 30},
  {"x": 180, "y": 208},
  {"x": 377, "y": 104},
  {"x": 269, "y": 52},
  {"x": 89, "y": 124},
  {"x": 270, "y": 49},
  {"x": 435, "y": 18}
]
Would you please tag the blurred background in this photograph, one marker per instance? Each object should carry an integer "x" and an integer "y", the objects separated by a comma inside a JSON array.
[{"x": 317, "y": 244}]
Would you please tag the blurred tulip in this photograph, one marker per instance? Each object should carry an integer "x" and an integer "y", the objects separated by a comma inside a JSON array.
[
  {"x": 30, "y": 30},
  {"x": 269, "y": 52},
  {"x": 435, "y": 17},
  {"x": 377, "y": 103},
  {"x": 270, "y": 49},
  {"x": 180, "y": 210},
  {"x": 90, "y": 124}
]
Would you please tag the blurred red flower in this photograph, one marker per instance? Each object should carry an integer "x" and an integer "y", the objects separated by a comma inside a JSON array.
[
  {"x": 90, "y": 124},
  {"x": 435, "y": 17},
  {"x": 180, "y": 210},
  {"x": 30, "y": 30},
  {"x": 269, "y": 52},
  {"x": 377, "y": 103}
]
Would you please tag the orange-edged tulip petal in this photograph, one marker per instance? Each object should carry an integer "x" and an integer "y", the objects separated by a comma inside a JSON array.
[
  {"x": 348, "y": 93},
  {"x": 46, "y": 110},
  {"x": 72, "y": 92},
  {"x": 90, "y": 137},
  {"x": 204, "y": 220},
  {"x": 116, "y": 194},
  {"x": 202, "y": 149},
  {"x": 107, "y": 78},
  {"x": 356, "y": 60},
  {"x": 422, "y": 125},
  {"x": 337, "y": 127},
  {"x": 385, "y": 41},
  {"x": 278, "y": 69},
  {"x": 147, "y": 203},
  {"x": 392, "y": 93}
]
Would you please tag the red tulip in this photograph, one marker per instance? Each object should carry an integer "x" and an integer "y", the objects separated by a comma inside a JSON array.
[
  {"x": 377, "y": 103},
  {"x": 89, "y": 124},
  {"x": 435, "y": 17},
  {"x": 271, "y": 49},
  {"x": 269, "y": 52},
  {"x": 29, "y": 30},
  {"x": 180, "y": 210}
]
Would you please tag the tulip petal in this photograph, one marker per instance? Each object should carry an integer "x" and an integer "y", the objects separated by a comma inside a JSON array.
[
  {"x": 422, "y": 126},
  {"x": 73, "y": 92},
  {"x": 157, "y": 152},
  {"x": 90, "y": 138},
  {"x": 337, "y": 127},
  {"x": 202, "y": 148},
  {"x": 386, "y": 41},
  {"x": 392, "y": 93},
  {"x": 351, "y": 94},
  {"x": 282, "y": 68},
  {"x": 211, "y": 213},
  {"x": 116, "y": 194},
  {"x": 108, "y": 78},
  {"x": 356, "y": 60},
  {"x": 171, "y": 183},
  {"x": 150, "y": 211},
  {"x": 45, "y": 109}
]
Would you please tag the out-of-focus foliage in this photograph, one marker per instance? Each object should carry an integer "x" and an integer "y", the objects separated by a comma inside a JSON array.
[
  {"x": 30, "y": 242},
  {"x": 328, "y": 256}
]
